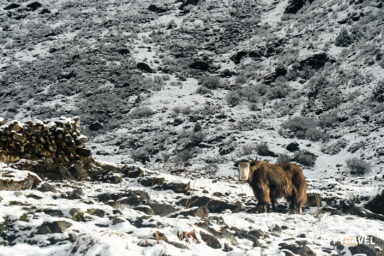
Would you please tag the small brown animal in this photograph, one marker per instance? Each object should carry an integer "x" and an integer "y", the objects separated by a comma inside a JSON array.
[{"x": 270, "y": 182}]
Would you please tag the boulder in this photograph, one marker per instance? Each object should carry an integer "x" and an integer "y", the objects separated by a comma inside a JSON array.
[
  {"x": 201, "y": 211},
  {"x": 130, "y": 197},
  {"x": 156, "y": 9},
  {"x": 210, "y": 240},
  {"x": 53, "y": 227},
  {"x": 151, "y": 181},
  {"x": 14, "y": 180},
  {"x": 295, "y": 5},
  {"x": 376, "y": 205},
  {"x": 34, "y": 6},
  {"x": 175, "y": 187},
  {"x": 162, "y": 209},
  {"x": 130, "y": 171},
  {"x": 213, "y": 205},
  {"x": 293, "y": 147},
  {"x": 199, "y": 64},
  {"x": 144, "y": 67},
  {"x": 298, "y": 249}
]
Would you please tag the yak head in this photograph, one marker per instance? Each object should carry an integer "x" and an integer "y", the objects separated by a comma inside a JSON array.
[{"x": 244, "y": 168}]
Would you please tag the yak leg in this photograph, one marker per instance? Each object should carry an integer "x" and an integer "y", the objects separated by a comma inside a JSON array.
[
  {"x": 295, "y": 206},
  {"x": 273, "y": 205},
  {"x": 263, "y": 198}
]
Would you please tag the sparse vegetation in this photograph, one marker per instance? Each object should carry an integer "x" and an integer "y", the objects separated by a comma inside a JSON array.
[
  {"x": 141, "y": 112},
  {"x": 233, "y": 98},
  {"x": 211, "y": 82},
  {"x": 305, "y": 157},
  {"x": 358, "y": 166}
]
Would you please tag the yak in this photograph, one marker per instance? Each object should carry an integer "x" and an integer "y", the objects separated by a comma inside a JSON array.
[{"x": 270, "y": 182}]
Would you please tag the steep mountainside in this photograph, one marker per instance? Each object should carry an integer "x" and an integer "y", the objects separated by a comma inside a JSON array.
[{"x": 188, "y": 87}]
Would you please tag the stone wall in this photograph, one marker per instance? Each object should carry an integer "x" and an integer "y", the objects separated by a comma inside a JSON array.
[{"x": 58, "y": 141}]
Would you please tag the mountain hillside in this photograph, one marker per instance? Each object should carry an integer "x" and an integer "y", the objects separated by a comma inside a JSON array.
[{"x": 184, "y": 89}]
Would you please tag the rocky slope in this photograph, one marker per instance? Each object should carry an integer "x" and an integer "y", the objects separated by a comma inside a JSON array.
[{"x": 190, "y": 86}]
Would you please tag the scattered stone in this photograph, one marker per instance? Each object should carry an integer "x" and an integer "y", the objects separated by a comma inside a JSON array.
[
  {"x": 95, "y": 126},
  {"x": 78, "y": 216},
  {"x": 213, "y": 205},
  {"x": 76, "y": 193},
  {"x": 156, "y": 9},
  {"x": 144, "y": 67},
  {"x": 117, "y": 220},
  {"x": 199, "y": 64},
  {"x": 344, "y": 39},
  {"x": 295, "y": 5},
  {"x": 96, "y": 212},
  {"x": 15, "y": 180},
  {"x": 201, "y": 212},
  {"x": 145, "y": 209},
  {"x": 376, "y": 205},
  {"x": 132, "y": 171},
  {"x": 301, "y": 250},
  {"x": 53, "y": 227},
  {"x": 151, "y": 181},
  {"x": 176, "y": 187},
  {"x": 46, "y": 187},
  {"x": 34, "y": 6},
  {"x": 11, "y": 6},
  {"x": 130, "y": 197},
  {"x": 162, "y": 209},
  {"x": 210, "y": 240},
  {"x": 362, "y": 249}
]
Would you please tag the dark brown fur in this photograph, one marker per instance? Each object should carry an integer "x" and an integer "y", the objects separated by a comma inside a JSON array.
[{"x": 270, "y": 182}]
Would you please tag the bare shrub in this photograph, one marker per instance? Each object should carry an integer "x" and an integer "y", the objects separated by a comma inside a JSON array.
[
  {"x": 141, "y": 112},
  {"x": 248, "y": 149},
  {"x": 283, "y": 158},
  {"x": 378, "y": 91},
  {"x": 233, "y": 98},
  {"x": 305, "y": 157},
  {"x": 203, "y": 90},
  {"x": 211, "y": 82},
  {"x": 358, "y": 166}
]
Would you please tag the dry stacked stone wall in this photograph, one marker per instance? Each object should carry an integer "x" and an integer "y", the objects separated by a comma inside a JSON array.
[{"x": 58, "y": 141}]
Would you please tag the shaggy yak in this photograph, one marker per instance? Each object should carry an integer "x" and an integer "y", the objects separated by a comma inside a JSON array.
[{"x": 270, "y": 182}]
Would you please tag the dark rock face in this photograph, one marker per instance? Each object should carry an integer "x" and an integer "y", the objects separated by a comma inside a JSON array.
[
  {"x": 239, "y": 56},
  {"x": 34, "y": 6},
  {"x": 187, "y": 2},
  {"x": 210, "y": 240},
  {"x": 95, "y": 126},
  {"x": 157, "y": 9},
  {"x": 199, "y": 64},
  {"x": 292, "y": 147},
  {"x": 295, "y": 5},
  {"x": 376, "y": 205},
  {"x": 344, "y": 39},
  {"x": 53, "y": 227},
  {"x": 11, "y": 6},
  {"x": 144, "y": 67},
  {"x": 316, "y": 61}
]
